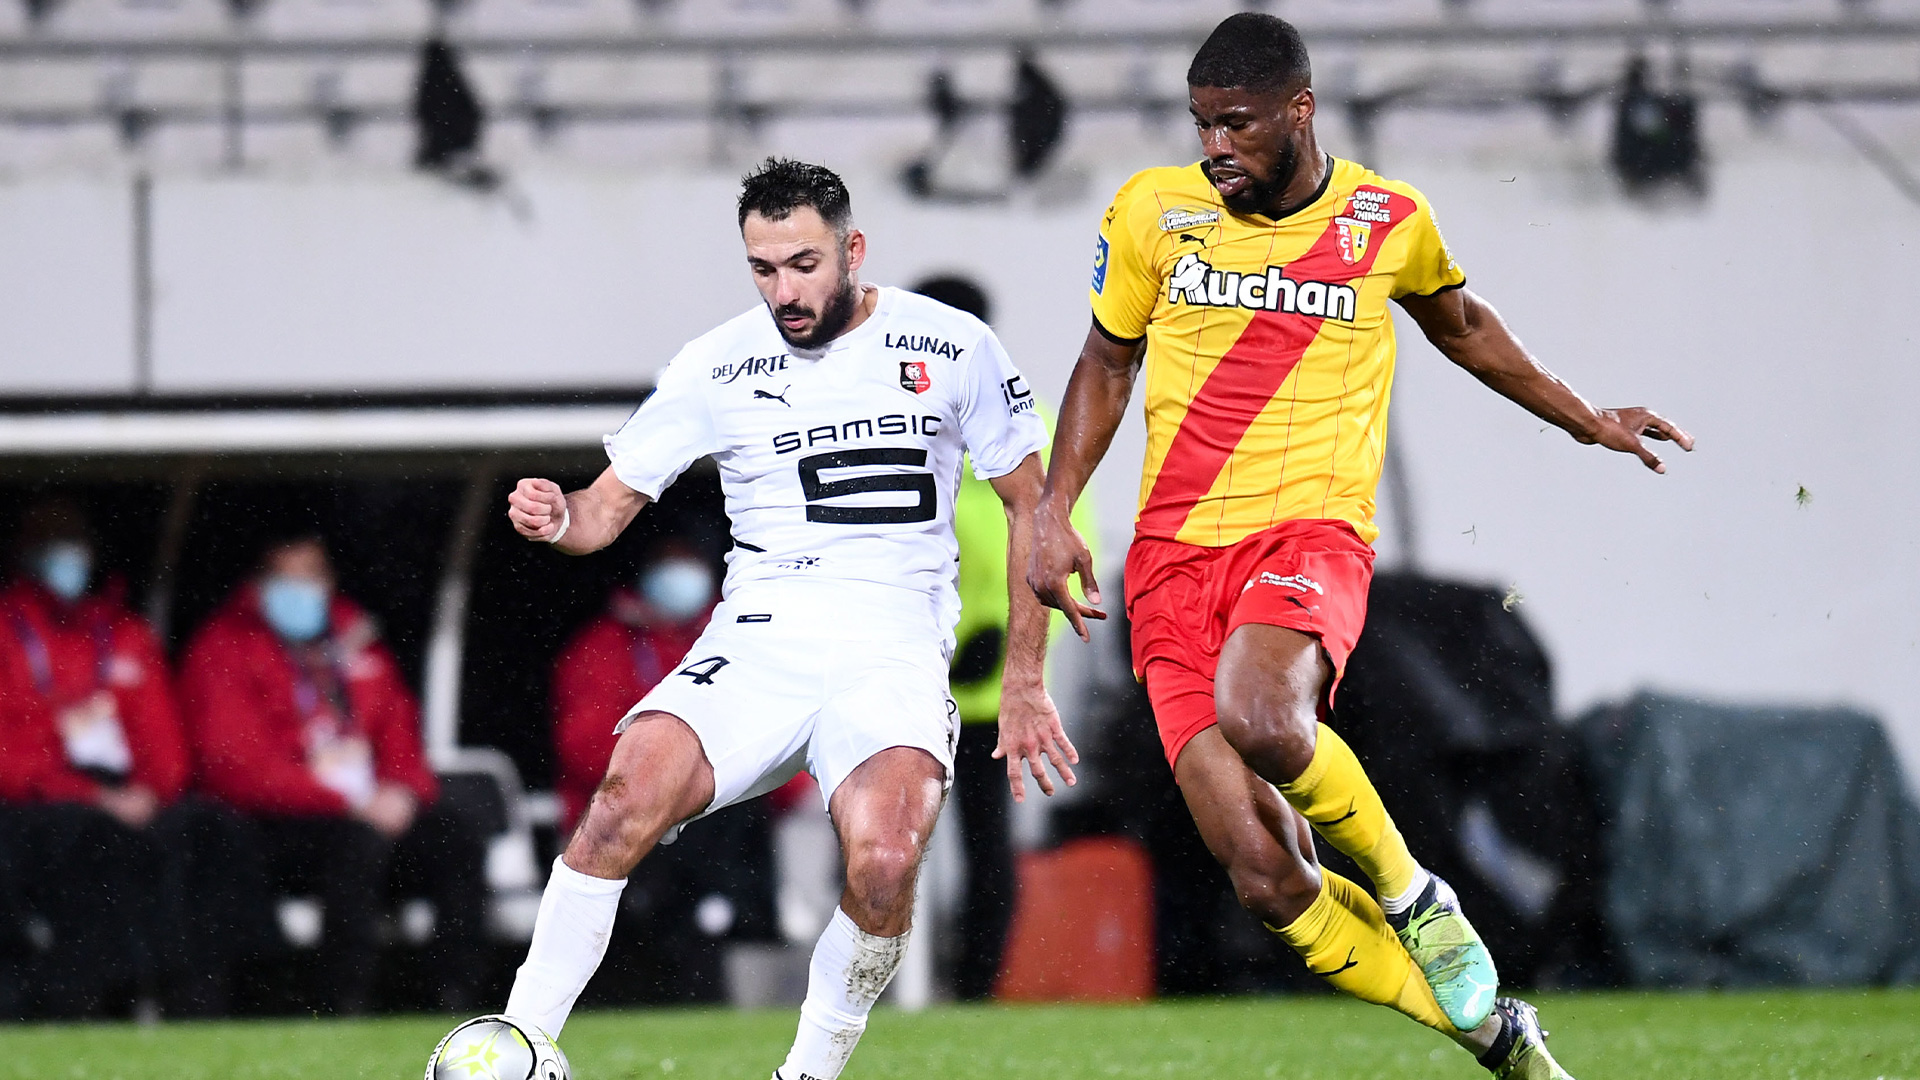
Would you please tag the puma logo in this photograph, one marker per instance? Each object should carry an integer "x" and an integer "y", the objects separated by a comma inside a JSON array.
[
  {"x": 1351, "y": 963},
  {"x": 780, "y": 397}
]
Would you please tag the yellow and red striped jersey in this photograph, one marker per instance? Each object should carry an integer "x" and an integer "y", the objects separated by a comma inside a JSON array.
[{"x": 1270, "y": 346}]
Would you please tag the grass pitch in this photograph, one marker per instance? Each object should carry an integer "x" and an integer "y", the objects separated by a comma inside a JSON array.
[{"x": 1870, "y": 1035}]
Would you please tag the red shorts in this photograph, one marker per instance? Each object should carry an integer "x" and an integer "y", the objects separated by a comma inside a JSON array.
[{"x": 1183, "y": 601}]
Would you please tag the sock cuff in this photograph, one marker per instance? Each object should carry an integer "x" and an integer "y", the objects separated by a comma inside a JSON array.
[
  {"x": 584, "y": 884},
  {"x": 845, "y": 924},
  {"x": 1326, "y": 746},
  {"x": 1312, "y": 923}
]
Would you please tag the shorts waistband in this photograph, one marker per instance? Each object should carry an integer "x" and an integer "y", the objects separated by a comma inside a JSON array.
[{"x": 832, "y": 610}]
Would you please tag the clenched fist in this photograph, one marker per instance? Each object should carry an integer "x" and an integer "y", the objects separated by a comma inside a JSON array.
[{"x": 537, "y": 509}]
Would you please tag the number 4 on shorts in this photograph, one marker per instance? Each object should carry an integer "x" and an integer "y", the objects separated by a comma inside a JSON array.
[{"x": 703, "y": 671}]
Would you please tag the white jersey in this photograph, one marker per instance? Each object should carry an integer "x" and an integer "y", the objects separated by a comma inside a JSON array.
[{"x": 839, "y": 464}]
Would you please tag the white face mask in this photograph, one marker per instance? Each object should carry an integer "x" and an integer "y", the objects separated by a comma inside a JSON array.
[
  {"x": 678, "y": 588},
  {"x": 65, "y": 568}
]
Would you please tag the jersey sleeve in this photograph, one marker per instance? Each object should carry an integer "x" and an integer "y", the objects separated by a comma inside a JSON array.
[
  {"x": 1429, "y": 267},
  {"x": 998, "y": 418},
  {"x": 1125, "y": 286},
  {"x": 671, "y": 430}
]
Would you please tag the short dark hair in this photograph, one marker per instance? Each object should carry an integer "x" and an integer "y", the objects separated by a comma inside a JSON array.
[
  {"x": 1252, "y": 51},
  {"x": 959, "y": 292},
  {"x": 781, "y": 185}
]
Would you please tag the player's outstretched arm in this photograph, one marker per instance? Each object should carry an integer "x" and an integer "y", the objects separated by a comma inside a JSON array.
[
  {"x": 578, "y": 523},
  {"x": 1030, "y": 731},
  {"x": 1097, "y": 397},
  {"x": 1470, "y": 333}
]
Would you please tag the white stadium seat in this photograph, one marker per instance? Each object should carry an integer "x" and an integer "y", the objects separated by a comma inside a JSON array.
[
  {"x": 1536, "y": 12},
  {"x": 51, "y": 84},
  {"x": 307, "y": 19},
  {"x": 814, "y": 79},
  {"x": 946, "y": 16},
  {"x": 719, "y": 18},
  {"x": 373, "y": 82},
  {"x": 139, "y": 19},
  {"x": 13, "y": 20},
  {"x": 653, "y": 79},
  {"x": 1119, "y": 16},
  {"x": 548, "y": 18},
  {"x": 1311, "y": 14},
  {"x": 1756, "y": 12}
]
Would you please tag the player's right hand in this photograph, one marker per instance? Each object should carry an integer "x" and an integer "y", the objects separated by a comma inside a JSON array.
[
  {"x": 1059, "y": 552},
  {"x": 536, "y": 508}
]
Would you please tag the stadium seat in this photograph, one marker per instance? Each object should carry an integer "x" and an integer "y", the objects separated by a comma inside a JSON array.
[
  {"x": 139, "y": 19},
  {"x": 407, "y": 20},
  {"x": 13, "y": 20},
  {"x": 1119, "y": 16},
  {"x": 1756, "y": 12},
  {"x": 45, "y": 84},
  {"x": 548, "y": 18},
  {"x": 486, "y": 781},
  {"x": 1590, "y": 12},
  {"x": 1310, "y": 15},
  {"x": 364, "y": 82},
  {"x": 866, "y": 78},
  {"x": 935, "y": 16},
  {"x": 653, "y": 79},
  {"x": 753, "y": 18}
]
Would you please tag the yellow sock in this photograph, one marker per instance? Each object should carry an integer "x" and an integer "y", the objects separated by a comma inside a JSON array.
[
  {"x": 1336, "y": 796},
  {"x": 1344, "y": 938}
]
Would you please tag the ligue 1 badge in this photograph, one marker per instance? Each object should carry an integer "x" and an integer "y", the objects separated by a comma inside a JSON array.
[
  {"x": 913, "y": 376},
  {"x": 1351, "y": 239}
]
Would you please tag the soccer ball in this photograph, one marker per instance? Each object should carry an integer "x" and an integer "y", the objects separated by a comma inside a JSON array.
[{"x": 497, "y": 1048}]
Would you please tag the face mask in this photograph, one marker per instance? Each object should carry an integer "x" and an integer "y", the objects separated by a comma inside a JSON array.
[
  {"x": 64, "y": 567},
  {"x": 295, "y": 607},
  {"x": 678, "y": 588}
]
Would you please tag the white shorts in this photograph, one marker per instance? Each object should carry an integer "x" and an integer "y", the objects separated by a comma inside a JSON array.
[{"x": 774, "y": 687}]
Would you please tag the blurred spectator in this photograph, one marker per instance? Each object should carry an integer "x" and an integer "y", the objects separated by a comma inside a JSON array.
[
  {"x": 94, "y": 754},
  {"x": 300, "y": 721},
  {"x": 615, "y": 659},
  {"x": 979, "y": 782}
]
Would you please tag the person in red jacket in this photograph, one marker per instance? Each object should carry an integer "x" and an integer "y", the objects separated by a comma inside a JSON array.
[
  {"x": 614, "y": 660},
  {"x": 300, "y": 721},
  {"x": 93, "y": 755}
]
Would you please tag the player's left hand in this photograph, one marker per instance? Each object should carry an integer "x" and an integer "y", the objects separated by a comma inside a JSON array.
[
  {"x": 1030, "y": 737},
  {"x": 1623, "y": 429}
]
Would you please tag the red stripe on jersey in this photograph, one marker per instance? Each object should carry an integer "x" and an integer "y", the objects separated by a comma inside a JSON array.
[{"x": 1243, "y": 383}]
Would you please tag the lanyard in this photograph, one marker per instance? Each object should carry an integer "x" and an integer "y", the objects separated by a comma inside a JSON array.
[
  {"x": 308, "y": 692},
  {"x": 40, "y": 661}
]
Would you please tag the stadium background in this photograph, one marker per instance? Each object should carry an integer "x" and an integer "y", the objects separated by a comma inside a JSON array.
[{"x": 218, "y": 259}]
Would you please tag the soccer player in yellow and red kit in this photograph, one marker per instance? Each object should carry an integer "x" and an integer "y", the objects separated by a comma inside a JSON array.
[{"x": 1253, "y": 288}]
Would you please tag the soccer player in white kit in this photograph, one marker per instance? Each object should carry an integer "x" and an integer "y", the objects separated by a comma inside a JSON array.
[{"x": 838, "y": 414}]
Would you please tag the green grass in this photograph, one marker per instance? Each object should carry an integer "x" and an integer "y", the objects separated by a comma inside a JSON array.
[{"x": 1624, "y": 1036}]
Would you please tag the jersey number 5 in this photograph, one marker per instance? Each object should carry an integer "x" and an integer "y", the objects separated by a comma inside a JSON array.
[{"x": 915, "y": 483}]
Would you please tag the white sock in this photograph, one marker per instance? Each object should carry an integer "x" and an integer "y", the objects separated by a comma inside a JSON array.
[
  {"x": 850, "y": 968},
  {"x": 569, "y": 939},
  {"x": 1398, "y": 905}
]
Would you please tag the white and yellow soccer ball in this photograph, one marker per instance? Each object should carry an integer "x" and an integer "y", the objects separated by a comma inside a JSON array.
[{"x": 497, "y": 1048}]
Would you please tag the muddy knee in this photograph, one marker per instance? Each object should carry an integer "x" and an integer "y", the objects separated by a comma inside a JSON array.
[
  {"x": 620, "y": 823},
  {"x": 880, "y": 878}
]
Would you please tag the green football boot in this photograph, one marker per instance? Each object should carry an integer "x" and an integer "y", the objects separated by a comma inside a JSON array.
[
  {"x": 1450, "y": 954},
  {"x": 1520, "y": 1052}
]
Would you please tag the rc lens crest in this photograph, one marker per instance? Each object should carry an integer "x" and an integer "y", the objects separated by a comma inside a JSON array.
[{"x": 1351, "y": 238}]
